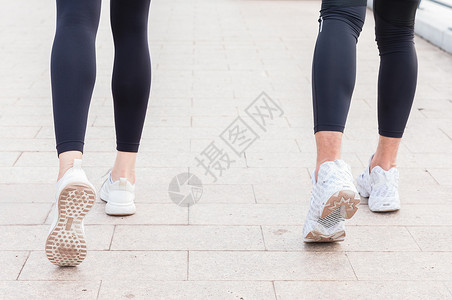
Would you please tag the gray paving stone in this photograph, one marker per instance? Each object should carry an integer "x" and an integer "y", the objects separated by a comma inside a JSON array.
[
  {"x": 227, "y": 193},
  {"x": 33, "y": 237},
  {"x": 247, "y": 214},
  {"x": 443, "y": 176},
  {"x": 203, "y": 77},
  {"x": 191, "y": 237},
  {"x": 187, "y": 290},
  {"x": 129, "y": 265},
  {"x": 299, "y": 192},
  {"x": 361, "y": 289},
  {"x": 67, "y": 290},
  {"x": 432, "y": 194},
  {"x": 12, "y": 263},
  {"x": 146, "y": 214},
  {"x": 27, "y": 192},
  {"x": 359, "y": 238},
  {"x": 395, "y": 265},
  {"x": 24, "y": 213},
  {"x": 267, "y": 265},
  {"x": 7, "y": 159},
  {"x": 432, "y": 238},
  {"x": 411, "y": 214}
]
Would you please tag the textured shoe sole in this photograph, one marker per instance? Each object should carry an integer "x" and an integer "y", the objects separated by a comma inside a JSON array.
[
  {"x": 66, "y": 245},
  {"x": 346, "y": 199},
  {"x": 317, "y": 237}
]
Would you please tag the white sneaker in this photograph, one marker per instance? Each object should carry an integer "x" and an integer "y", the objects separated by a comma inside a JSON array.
[
  {"x": 381, "y": 187},
  {"x": 66, "y": 245},
  {"x": 334, "y": 199},
  {"x": 119, "y": 195}
]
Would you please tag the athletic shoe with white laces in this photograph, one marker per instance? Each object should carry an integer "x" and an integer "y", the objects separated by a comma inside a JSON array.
[
  {"x": 66, "y": 244},
  {"x": 381, "y": 187},
  {"x": 119, "y": 195},
  {"x": 334, "y": 199}
]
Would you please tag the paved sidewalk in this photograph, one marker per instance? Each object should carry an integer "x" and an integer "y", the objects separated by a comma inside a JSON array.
[{"x": 243, "y": 240}]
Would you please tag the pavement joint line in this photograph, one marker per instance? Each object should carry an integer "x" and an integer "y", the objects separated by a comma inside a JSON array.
[
  {"x": 412, "y": 237},
  {"x": 112, "y": 237},
  {"x": 274, "y": 290},
  {"x": 26, "y": 259},
  {"x": 99, "y": 289},
  {"x": 263, "y": 238}
]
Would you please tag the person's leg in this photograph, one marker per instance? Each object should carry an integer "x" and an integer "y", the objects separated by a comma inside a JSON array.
[
  {"x": 131, "y": 80},
  {"x": 334, "y": 196},
  {"x": 66, "y": 161},
  {"x": 386, "y": 154},
  {"x": 333, "y": 73},
  {"x": 73, "y": 72},
  {"x": 394, "y": 29},
  {"x": 328, "y": 147},
  {"x": 124, "y": 166}
]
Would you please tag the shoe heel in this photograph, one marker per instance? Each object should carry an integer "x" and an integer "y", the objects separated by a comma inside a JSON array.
[
  {"x": 318, "y": 237},
  {"x": 346, "y": 198},
  {"x": 66, "y": 244},
  {"x": 362, "y": 191},
  {"x": 120, "y": 210}
]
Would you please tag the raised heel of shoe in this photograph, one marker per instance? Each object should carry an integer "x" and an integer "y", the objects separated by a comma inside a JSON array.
[
  {"x": 318, "y": 237},
  {"x": 120, "y": 209},
  {"x": 362, "y": 191},
  {"x": 347, "y": 200},
  {"x": 66, "y": 245}
]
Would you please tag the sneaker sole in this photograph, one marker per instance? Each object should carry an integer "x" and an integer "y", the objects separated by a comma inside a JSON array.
[
  {"x": 66, "y": 244},
  {"x": 318, "y": 237},
  {"x": 384, "y": 207},
  {"x": 120, "y": 210},
  {"x": 347, "y": 199},
  {"x": 348, "y": 202}
]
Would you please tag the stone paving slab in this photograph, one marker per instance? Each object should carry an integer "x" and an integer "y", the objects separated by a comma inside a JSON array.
[
  {"x": 124, "y": 265},
  {"x": 67, "y": 290},
  {"x": 361, "y": 290},
  {"x": 269, "y": 265},
  {"x": 243, "y": 240},
  {"x": 187, "y": 290}
]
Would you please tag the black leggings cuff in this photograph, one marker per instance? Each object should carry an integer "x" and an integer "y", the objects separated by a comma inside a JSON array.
[
  {"x": 391, "y": 134},
  {"x": 70, "y": 146},
  {"x": 329, "y": 128},
  {"x": 127, "y": 147}
]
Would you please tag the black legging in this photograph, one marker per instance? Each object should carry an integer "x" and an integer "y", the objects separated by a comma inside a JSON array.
[
  {"x": 334, "y": 64},
  {"x": 73, "y": 70}
]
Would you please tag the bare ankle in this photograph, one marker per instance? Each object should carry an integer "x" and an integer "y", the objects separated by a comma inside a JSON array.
[
  {"x": 386, "y": 155},
  {"x": 328, "y": 147},
  {"x": 66, "y": 161},
  {"x": 385, "y": 164},
  {"x": 124, "y": 166}
]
